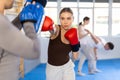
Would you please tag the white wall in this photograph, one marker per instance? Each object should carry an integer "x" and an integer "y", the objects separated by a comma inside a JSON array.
[
  {"x": 115, "y": 53},
  {"x": 44, "y": 49}
]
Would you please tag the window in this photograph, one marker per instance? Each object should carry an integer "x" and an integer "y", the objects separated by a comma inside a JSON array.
[
  {"x": 100, "y": 13},
  {"x": 116, "y": 19},
  {"x": 101, "y": 21}
]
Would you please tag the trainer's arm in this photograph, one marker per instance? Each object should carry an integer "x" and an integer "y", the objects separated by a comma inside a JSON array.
[
  {"x": 94, "y": 37},
  {"x": 17, "y": 43}
]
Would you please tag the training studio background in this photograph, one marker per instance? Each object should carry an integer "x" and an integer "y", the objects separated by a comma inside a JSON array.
[{"x": 104, "y": 22}]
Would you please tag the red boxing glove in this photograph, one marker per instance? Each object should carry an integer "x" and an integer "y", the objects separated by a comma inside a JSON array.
[
  {"x": 47, "y": 24},
  {"x": 71, "y": 35}
]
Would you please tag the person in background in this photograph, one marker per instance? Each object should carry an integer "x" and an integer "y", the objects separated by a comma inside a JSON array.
[
  {"x": 98, "y": 44},
  {"x": 84, "y": 41},
  {"x": 89, "y": 44}
]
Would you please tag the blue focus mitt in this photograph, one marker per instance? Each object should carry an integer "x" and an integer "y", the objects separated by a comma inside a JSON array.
[{"x": 32, "y": 13}]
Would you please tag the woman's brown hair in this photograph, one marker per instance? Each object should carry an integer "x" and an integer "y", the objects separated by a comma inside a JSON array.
[{"x": 66, "y": 9}]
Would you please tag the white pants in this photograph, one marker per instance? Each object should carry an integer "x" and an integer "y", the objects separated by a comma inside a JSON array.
[
  {"x": 87, "y": 52},
  {"x": 64, "y": 72}
]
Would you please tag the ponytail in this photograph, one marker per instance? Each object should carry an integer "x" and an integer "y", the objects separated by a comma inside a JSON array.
[{"x": 80, "y": 23}]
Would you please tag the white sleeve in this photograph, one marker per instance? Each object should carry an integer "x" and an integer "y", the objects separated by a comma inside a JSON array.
[
  {"x": 99, "y": 45},
  {"x": 15, "y": 42}
]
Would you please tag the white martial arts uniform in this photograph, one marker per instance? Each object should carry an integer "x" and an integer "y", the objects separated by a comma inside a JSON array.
[
  {"x": 85, "y": 48},
  {"x": 60, "y": 72},
  {"x": 87, "y": 52}
]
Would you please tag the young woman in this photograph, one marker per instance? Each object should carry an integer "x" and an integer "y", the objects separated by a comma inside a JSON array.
[
  {"x": 85, "y": 46},
  {"x": 60, "y": 66}
]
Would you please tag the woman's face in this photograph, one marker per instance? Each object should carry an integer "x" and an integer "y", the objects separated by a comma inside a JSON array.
[
  {"x": 86, "y": 22},
  {"x": 66, "y": 19}
]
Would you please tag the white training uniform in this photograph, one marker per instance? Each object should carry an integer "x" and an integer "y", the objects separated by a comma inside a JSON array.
[
  {"x": 60, "y": 72},
  {"x": 85, "y": 48},
  {"x": 89, "y": 54},
  {"x": 101, "y": 44}
]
